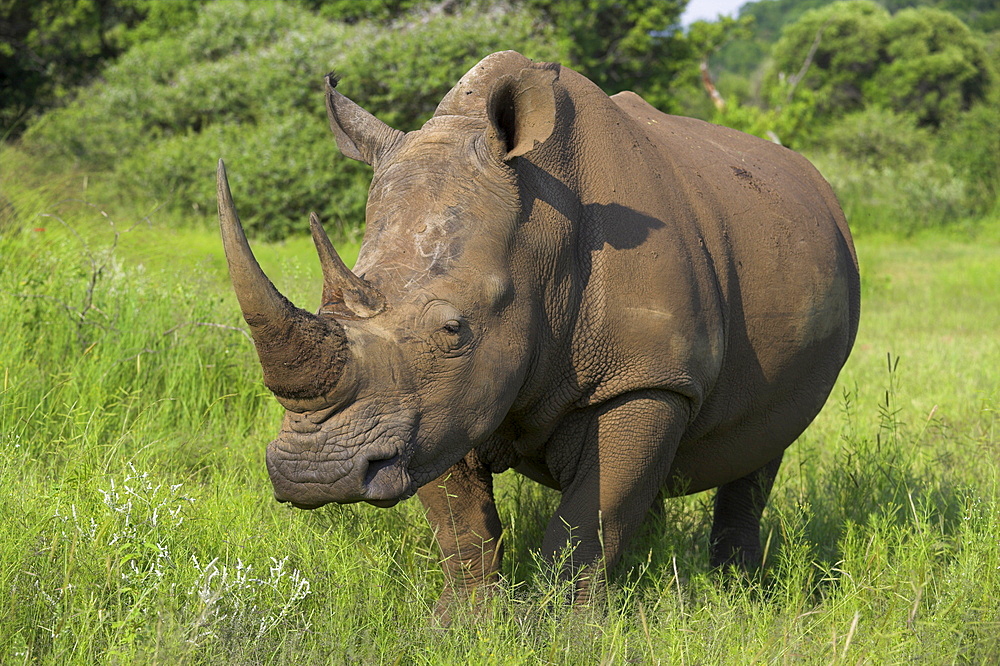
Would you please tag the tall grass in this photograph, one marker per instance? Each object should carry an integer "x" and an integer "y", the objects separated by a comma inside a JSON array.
[{"x": 136, "y": 524}]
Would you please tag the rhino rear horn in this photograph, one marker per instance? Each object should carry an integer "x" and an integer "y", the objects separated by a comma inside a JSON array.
[
  {"x": 345, "y": 295},
  {"x": 360, "y": 135},
  {"x": 302, "y": 355}
]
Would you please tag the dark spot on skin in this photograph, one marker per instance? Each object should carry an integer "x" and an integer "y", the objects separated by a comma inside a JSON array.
[{"x": 746, "y": 177}]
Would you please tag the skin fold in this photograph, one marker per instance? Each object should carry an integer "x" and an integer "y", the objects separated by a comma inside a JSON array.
[{"x": 615, "y": 302}]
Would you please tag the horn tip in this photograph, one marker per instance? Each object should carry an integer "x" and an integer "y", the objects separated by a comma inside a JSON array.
[
  {"x": 315, "y": 226},
  {"x": 222, "y": 185}
]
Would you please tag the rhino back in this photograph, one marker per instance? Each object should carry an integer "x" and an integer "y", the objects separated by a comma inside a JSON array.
[
  {"x": 711, "y": 263},
  {"x": 787, "y": 279}
]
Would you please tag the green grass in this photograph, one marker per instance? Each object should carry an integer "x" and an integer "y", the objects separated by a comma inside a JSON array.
[{"x": 137, "y": 526}]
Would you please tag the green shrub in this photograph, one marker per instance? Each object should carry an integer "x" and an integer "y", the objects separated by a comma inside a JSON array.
[
  {"x": 246, "y": 83},
  {"x": 280, "y": 170},
  {"x": 181, "y": 83},
  {"x": 401, "y": 74},
  {"x": 894, "y": 175},
  {"x": 791, "y": 124},
  {"x": 904, "y": 198},
  {"x": 49, "y": 48},
  {"x": 878, "y": 138},
  {"x": 972, "y": 145}
]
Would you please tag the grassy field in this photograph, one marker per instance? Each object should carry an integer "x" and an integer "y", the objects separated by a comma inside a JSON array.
[{"x": 137, "y": 525}]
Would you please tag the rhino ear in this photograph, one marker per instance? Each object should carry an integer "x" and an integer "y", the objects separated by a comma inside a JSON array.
[
  {"x": 360, "y": 135},
  {"x": 521, "y": 110}
]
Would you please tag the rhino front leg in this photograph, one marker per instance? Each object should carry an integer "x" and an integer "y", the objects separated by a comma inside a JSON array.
[
  {"x": 735, "y": 539},
  {"x": 461, "y": 510},
  {"x": 629, "y": 445}
]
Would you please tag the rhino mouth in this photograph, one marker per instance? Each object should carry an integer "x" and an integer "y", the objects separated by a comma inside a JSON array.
[{"x": 379, "y": 477}]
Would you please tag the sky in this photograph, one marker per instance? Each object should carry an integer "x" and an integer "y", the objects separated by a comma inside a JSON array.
[{"x": 709, "y": 10}]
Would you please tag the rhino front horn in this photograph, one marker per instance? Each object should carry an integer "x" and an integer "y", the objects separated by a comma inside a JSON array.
[{"x": 302, "y": 355}]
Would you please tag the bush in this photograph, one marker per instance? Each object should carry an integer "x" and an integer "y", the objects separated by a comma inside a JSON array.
[
  {"x": 912, "y": 175},
  {"x": 280, "y": 170},
  {"x": 902, "y": 199},
  {"x": 180, "y": 83},
  {"x": 791, "y": 125},
  {"x": 878, "y": 138},
  {"x": 246, "y": 83},
  {"x": 48, "y": 48},
  {"x": 972, "y": 145}
]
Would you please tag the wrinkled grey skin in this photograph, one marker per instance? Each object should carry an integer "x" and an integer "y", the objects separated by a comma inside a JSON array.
[{"x": 614, "y": 302}]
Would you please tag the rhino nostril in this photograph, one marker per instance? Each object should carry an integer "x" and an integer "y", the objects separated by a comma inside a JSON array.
[{"x": 377, "y": 465}]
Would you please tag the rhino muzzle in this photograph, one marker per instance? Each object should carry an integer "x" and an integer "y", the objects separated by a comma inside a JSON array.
[
  {"x": 303, "y": 356},
  {"x": 377, "y": 474}
]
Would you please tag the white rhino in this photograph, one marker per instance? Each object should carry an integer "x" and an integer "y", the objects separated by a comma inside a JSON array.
[{"x": 612, "y": 301}]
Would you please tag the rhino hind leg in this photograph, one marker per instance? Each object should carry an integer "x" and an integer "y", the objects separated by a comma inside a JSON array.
[{"x": 735, "y": 539}]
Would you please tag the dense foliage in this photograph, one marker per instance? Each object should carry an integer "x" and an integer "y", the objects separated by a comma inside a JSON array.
[
  {"x": 853, "y": 54},
  {"x": 627, "y": 45},
  {"x": 886, "y": 104},
  {"x": 49, "y": 48},
  {"x": 770, "y": 16},
  {"x": 890, "y": 105},
  {"x": 245, "y": 83}
]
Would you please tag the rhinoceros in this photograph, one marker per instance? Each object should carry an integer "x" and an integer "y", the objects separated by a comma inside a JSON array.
[{"x": 615, "y": 302}]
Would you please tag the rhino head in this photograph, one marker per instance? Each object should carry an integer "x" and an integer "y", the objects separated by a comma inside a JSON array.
[{"x": 416, "y": 356}]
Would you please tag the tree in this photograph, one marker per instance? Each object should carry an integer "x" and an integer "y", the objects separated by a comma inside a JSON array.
[
  {"x": 770, "y": 16},
  {"x": 49, "y": 47},
  {"x": 923, "y": 62},
  {"x": 935, "y": 67},
  {"x": 353, "y": 11},
  {"x": 977, "y": 14},
  {"x": 622, "y": 44},
  {"x": 833, "y": 51}
]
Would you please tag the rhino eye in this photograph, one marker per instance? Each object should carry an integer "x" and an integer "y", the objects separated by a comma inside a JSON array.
[
  {"x": 453, "y": 337},
  {"x": 448, "y": 330}
]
